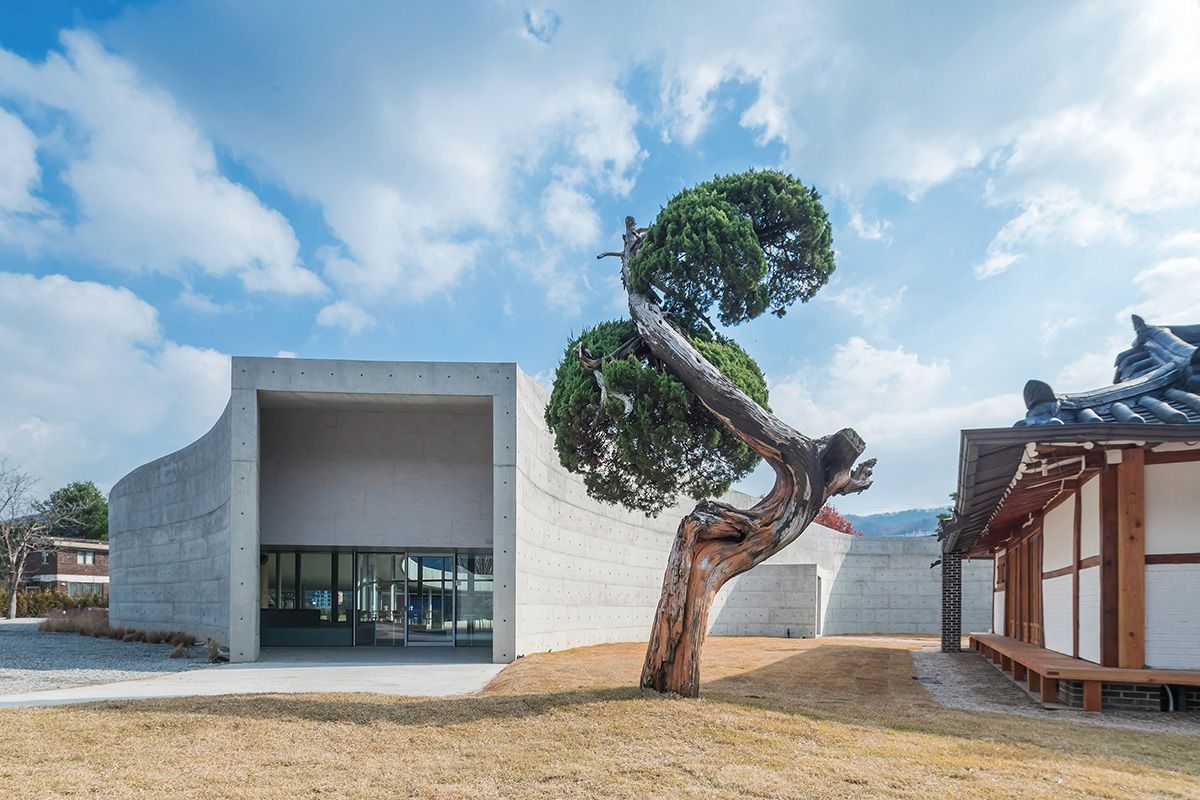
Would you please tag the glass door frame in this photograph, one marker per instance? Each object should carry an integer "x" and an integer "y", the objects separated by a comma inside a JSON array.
[{"x": 451, "y": 556}]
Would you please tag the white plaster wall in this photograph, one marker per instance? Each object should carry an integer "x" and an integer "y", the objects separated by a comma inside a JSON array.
[
  {"x": 1172, "y": 621},
  {"x": 589, "y": 572},
  {"x": 1058, "y": 536},
  {"x": 1173, "y": 508},
  {"x": 1089, "y": 614},
  {"x": 169, "y": 535},
  {"x": 998, "y": 612},
  {"x": 1089, "y": 519},
  {"x": 1058, "y": 620},
  {"x": 411, "y": 478}
]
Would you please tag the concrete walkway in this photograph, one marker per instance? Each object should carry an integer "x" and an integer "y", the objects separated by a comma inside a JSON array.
[{"x": 413, "y": 671}]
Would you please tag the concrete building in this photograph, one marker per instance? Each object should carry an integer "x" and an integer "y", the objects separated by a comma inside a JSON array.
[{"x": 420, "y": 504}]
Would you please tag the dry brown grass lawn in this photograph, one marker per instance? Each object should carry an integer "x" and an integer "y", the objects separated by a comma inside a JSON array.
[{"x": 779, "y": 718}]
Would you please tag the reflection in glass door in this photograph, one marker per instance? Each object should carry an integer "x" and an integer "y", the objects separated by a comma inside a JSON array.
[
  {"x": 430, "y": 601},
  {"x": 380, "y": 591}
]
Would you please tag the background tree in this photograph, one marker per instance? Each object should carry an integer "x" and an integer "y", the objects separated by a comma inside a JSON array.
[
  {"x": 831, "y": 518},
  {"x": 27, "y": 526},
  {"x": 93, "y": 510},
  {"x": 664, "y": 403}
]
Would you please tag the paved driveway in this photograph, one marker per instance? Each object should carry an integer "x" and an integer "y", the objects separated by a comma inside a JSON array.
[{"x": 396, "y": 671}]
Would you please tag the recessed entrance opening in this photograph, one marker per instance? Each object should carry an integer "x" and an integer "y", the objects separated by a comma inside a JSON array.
[{"x": 375, "y": 599}]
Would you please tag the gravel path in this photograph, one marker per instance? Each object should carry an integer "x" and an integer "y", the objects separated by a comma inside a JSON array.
[
  {"x": 31, "y": 660},
  {"x": 966, "y": 680}
]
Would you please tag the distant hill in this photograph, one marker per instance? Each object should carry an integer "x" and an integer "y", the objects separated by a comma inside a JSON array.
[{"x": 910, "y": 522}]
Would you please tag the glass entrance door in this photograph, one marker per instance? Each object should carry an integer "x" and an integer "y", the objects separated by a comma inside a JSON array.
[
  {"x": 380, "y": 592},
  {"x": 430, "y": 601}
]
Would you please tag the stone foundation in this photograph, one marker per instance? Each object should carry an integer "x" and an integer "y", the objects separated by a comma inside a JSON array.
[{"x": 1128, "y": 696}]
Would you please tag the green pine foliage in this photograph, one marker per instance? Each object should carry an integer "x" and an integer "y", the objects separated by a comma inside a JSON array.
[
  {"x": 668, "y": 445},
  {"x": 91, "y": 517},
  {"x": 740, "y": 244},
  {"x": 744, "y": 244}
]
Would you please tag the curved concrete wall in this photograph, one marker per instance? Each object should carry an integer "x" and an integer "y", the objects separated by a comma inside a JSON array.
[
  {"x": 168, "y": 530},
  {"x": 590, "y": 573}
]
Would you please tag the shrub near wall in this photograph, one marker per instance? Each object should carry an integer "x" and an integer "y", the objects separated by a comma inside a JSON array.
[{"x": 38, "y": 604}]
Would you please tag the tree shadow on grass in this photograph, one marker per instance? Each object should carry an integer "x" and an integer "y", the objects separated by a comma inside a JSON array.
[{"x": 868, "y": 687}]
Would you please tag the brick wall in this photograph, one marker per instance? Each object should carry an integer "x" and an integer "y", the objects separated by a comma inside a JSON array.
[
  {"x": 1116, "y": 696},
  {"x": 951, "y": 602}
]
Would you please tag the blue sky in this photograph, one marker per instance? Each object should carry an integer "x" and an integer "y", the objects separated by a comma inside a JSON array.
[{"x": 180, "y": 182}]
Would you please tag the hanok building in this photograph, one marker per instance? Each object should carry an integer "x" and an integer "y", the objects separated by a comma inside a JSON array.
[{"x": 1090, "y": 507}]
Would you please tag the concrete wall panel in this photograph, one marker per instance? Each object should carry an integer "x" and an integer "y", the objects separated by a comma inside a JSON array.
[
  {"x": 414, "y": 478},
  {"x": 169, "y": 527},
  {"x": 589, "y": 572}
]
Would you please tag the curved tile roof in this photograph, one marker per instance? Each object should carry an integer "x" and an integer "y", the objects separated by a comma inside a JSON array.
[{"x": 1157, "y": 381}]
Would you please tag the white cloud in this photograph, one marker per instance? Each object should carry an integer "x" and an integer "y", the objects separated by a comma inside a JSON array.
[
  {"x": 147, "y": 189},
  {"x": 439, "y": 135},
  {"x": 1126, "y": 146},
  {"x": 1171, "y": 291},
  {"x": 19, "y": 170},
  {"x": 1188, "y": 240},
  {"x": 871, "y": 231},
  {"x": 1089, "y": 371},
  {"x": 1051, "y": 328},
  {"x": 569, "y": 214},
  {"x": 863, "y": 300},
  {"x": 902, "y": 406},
  {"x": 541, "y": 24},
  {"x": 285, "y": 354},
  {"x": 1044, "y": 219},
  {"x": 192, "y": 300},
  {"x": 92, "y": 389},
  {"x": 345, "y": 315}
]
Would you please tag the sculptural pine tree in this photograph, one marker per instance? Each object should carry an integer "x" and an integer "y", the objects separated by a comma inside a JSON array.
[{"x": 664, "y": 404}]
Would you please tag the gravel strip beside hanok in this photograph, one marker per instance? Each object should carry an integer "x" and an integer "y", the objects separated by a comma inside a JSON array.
[
  {"x": 31, "y": 660},
  {"x": 968, "y": 681}
]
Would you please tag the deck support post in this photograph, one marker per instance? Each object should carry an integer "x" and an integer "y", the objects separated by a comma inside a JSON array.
[
  {"x": 1091, "y": 695},
  {"x": 1019, "y": 672},
  {"x": 1049, "y": 687}
]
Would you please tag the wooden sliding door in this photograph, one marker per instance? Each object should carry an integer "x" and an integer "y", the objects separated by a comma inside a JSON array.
[{"x": 1023, "y": 587}]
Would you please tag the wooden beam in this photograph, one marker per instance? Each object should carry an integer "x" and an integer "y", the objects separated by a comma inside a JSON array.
[
  {"x": 1172, "y": 456},
  {"x": 1035, "y": 682},
  {"x": 1131, "y": 560},
  {"x": 1173, "y": 558},
  {"x": 1108, "y": 567},
  {"x": 1049, "y": 689},
  {"x": 1006, "y": 663},
  {"x": 1019, "y": 672},
  {"x": 1091, "y": 695}
]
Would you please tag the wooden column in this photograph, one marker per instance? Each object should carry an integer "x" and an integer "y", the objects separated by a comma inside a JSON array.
[
  {"x": 1108, "y": 567},
  {"x": 1131, "y": 560},
  {"x": 1076, "y": 552},
  {"x": 1049, "y": 689}
]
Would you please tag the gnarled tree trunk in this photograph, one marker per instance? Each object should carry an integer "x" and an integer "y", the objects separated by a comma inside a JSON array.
[{"x": 716, "y": 541}]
